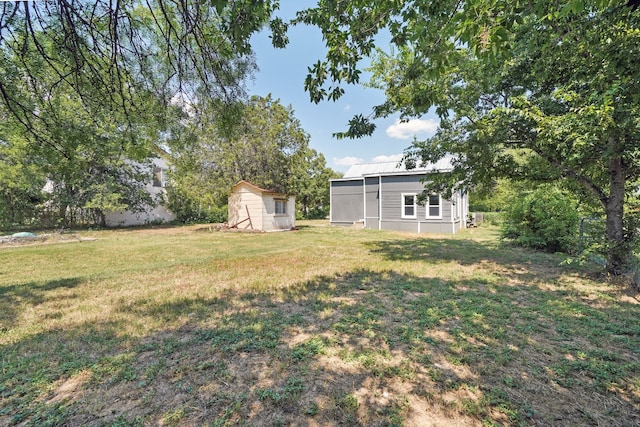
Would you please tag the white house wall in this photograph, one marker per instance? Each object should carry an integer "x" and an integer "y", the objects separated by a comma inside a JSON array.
[{"x": 158, "y": 214}]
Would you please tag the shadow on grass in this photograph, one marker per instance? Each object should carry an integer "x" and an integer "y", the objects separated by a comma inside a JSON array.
[
  {"x": 463, "y": 251},
  {"x": 517, "y": 262},
  {"x": 362, "y": 348},
  {"x": 12, "y": 297}
]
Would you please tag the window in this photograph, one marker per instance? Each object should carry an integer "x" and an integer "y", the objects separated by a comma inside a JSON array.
[
  {"x": 281, "y": 207},
  {"x": 160, "y": 177},
  {"x": 408, "y": 206},
  {"x": 434, "y": 206}
]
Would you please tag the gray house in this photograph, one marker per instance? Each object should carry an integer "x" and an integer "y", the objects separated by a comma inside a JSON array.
[{"x": 383, "y": 196}]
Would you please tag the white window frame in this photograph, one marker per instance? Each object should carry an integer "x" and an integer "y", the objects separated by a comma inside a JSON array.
[
  {"x": 428, "y": 206},
  {"x": 160, "y": 177},
  {"x": 283, "y": 203},
  {"x": 403, "y": 215}
]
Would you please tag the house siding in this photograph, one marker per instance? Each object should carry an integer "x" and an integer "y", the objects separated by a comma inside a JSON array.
[
  {"x": 379, "y": 203},
  {"x": 347, "y": 201},
  {"x": 393, "y": 189},
  {"x": 241, "y": 201},
  {"x": 372, "y": 202},
  {"x": 272, "y": 221}
]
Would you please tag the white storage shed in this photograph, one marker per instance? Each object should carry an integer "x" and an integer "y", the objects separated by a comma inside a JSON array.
[{"x": 255, "y": 208}]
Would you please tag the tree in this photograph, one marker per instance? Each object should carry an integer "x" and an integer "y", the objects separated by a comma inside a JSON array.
[
  {"x": 266, "y": 146},
  {"x": 21, "y": 182},
  {"x": 89, "y": 87},
  {"x": 91, "y": 161},
  {"x": 112, "y": 51},
  {"x": 527, "y": 90},
  {"x": 90, "y": 170},
  {"x": 312, "y": 185}
]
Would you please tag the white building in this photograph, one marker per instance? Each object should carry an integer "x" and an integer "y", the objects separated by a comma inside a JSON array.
[{"x": 254, "y": 208}]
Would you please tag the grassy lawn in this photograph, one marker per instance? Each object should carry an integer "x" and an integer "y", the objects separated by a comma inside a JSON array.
[{"x": 322, "y": 326}]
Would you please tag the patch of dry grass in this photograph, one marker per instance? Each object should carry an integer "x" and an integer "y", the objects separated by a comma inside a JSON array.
[{"x": 323, "y": 326}]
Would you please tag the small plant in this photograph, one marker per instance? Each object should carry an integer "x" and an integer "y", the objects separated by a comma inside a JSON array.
[
  {"x": 348, "y": 402},
  {"x": 312, "y": 409},
  {"x": 172, "y": 418},
  {"x": 291, "y": 389},
  {"x": 307, "y": 349}
]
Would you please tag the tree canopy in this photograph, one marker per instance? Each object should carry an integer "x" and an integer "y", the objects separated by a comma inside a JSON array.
[
  {"x": 89, "y": 88},
  {"x": 267, "y": 147},
  {"x": 525, "y": 90}
]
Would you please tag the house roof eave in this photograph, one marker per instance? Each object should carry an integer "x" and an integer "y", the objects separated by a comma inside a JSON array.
[{"x": 261, "y": 190}]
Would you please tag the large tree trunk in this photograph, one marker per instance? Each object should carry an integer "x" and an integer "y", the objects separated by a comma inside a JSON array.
[{"x": 614, "y": 208}]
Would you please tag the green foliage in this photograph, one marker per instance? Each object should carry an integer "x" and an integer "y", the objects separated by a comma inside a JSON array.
[
  {"x": 188, "y": 210},
  {"x": 265, "y": 146},
  {"x": 498, "y": 197},
  {"x": 20, "y": 186},
  {"x": 546, "y": 219},
  {"x": 114, "y": 54},
  {"x": 89, "y": 90},
  {"x": 540, "y": 92},
  {"x": 493, "y": 218},
  {"x": 312, "y": 186}
]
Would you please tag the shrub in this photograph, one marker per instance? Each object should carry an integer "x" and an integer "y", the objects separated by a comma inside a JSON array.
[
  {"x": 493, "y": 218},
  {"x": 217, "y": 214},
  {"x": 188, "y": 210},
  {"x": 544, "y": 219}
]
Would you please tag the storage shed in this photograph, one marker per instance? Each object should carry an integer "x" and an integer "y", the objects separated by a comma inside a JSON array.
[
  {"x": 384, "y": 196},
  {"x": 255, "y": 208}
]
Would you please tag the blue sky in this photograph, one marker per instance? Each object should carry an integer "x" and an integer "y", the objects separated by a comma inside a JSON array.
[{"x": 282, "y": 73}]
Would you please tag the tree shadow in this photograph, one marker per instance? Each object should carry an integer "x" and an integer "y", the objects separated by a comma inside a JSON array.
[
  {"x": 12, "y": 297},
  {"x": 517, "y": 262},
  {"x": 361, "y": 348}
]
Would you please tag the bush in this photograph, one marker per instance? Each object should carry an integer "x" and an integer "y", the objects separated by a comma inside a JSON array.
[
  {"x": 493, "y": 218},
  {"x": 544, "y": 219},
  {"x": 188, "y": 210},
  {"x": 217, "y": 214},
  {"x": 313, "y": 213}
]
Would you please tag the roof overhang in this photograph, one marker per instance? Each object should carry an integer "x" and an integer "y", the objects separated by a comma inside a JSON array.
[{"x": 259, "y": 189}]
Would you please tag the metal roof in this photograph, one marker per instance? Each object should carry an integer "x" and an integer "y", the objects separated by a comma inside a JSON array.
[{"x": 397, "y": 168}]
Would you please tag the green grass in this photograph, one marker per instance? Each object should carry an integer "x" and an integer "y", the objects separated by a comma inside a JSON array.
[{"x": 177, "y": 326}]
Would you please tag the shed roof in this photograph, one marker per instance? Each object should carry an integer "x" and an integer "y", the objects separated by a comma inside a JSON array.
[
  {"x": 255, "y": 187},
  {"x": 397, "y": 168}
]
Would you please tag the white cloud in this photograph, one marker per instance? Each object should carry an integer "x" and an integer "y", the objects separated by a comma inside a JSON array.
[
  {"x": 406, "y": 130},
  {"x": 347, "y": 107},
  {"x": 347, "y": 161},
  {"x": 391, "y": 158}
]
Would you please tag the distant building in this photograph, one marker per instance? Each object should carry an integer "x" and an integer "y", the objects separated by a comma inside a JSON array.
[
  {"x": 154, "y": 214},
  {"x": 384, "y": 196},
  {"x": 254, "y": 208}
]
